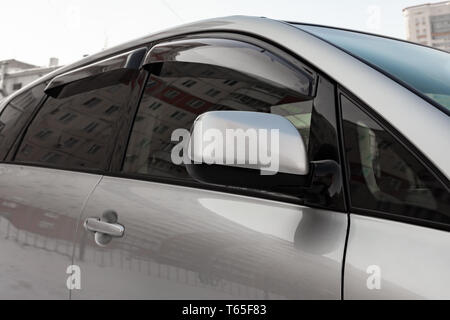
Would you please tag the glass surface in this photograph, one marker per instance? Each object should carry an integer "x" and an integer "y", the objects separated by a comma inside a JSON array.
[
  {"x": 173, "y": 99},
  {"x": 15, "y": 115},
  {"x": 173, "y": 102},
  {"x": 425, "y": 69},
  {"x": 386, "y": 177},
  {"x": 76, "y": 132}
]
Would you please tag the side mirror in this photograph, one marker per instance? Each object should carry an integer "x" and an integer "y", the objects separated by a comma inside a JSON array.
[{"x": 247, "y": 149}]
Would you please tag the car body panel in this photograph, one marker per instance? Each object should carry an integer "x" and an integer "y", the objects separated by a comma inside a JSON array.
[
  {"x": 187, "y": 243},
  {"x": 39, "y": 212},
  {"x": 412, "y": 260}
]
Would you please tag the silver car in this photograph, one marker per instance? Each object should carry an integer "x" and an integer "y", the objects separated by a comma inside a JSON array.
[{"x": 99, "y": 201}]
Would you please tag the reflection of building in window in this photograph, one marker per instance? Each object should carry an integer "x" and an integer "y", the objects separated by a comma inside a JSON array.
[
  {"x": 171, "y": 94},
  {"x": 195, "y": 103},
  {"x": 69, "y": 143},
  {"x": 155, "y": 105},
  {"x": 174, "y": 102},
  {"x": 189, "y": 83},
  {"x": 178, "y": 115},
  {"x": 212, "y": 92},
  {"x": 299, "y": 114},
  {"x": 92, "y": 102},
  {"x": 42, "y": 135},
  {"x": 15, "y": 115},
  {"x": 230, "y": 82},
  {"x": 112, "y": 109},
  {"x": 67, "y": 117},
  {"x": 91, "y": 127},
  {"x": 76, "y": 131}
]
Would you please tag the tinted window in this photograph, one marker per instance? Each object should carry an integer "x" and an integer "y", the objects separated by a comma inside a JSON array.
[
  {"x": 170, "y": 102},
  {"x": 427, "y": 70},
  {"x": 386, "y": 177},
  {"x": 78, "y": 131},
  {"x": 15, "y": 115}
]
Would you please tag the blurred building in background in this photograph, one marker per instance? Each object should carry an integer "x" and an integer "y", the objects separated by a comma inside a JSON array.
[
  {"x": 429, "y": 24},
  {"x": 16, "y": 74}
]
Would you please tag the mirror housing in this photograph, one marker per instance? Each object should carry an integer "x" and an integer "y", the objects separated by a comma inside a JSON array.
[{"x": 247, "y": 149}]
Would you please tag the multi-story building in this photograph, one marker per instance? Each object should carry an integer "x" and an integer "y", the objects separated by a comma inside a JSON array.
[
  {"x": 429, "y": 24},
  {"x": 15, "y": 74}
]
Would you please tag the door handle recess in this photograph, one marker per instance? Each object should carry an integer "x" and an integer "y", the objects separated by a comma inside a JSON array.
[{"x": 105, "y": 228}]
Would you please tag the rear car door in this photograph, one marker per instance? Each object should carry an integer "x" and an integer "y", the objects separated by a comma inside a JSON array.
[
  {"x": 56, "y": 163},
  {"x": 400, "y": 213},
  {"x": 184, "y": 239},
  {"x": 39, "y": 208}
]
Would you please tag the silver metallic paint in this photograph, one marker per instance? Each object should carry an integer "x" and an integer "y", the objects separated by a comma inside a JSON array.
[
  {"x": 39, "y": 212},
  {"x": 413, "y": 260},
  {"x": 186, "y": 243}
]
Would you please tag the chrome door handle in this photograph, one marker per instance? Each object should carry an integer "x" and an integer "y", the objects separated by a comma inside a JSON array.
[
  {"x": 97, "y": 225},
  {"x": 105, "y": 228}
]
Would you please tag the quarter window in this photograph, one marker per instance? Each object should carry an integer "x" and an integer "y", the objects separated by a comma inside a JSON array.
[{"x": 384, "y": 176}]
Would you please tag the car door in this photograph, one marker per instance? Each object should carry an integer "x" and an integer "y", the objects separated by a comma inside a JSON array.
[
  {"x": 39, "y": 208},
  {"x": 48, "y": 177},
  {"x": 176, "y": 238},
  {"x": 398, "y": 239}
]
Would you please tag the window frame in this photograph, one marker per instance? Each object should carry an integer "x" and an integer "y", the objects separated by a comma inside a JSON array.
[
  {"x": 267, "y": 45},
  {"x": 114, "y": 168},
  {"x": 405, "y": 143}
]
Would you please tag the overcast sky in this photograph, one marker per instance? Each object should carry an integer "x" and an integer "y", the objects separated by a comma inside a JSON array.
[{"x": 35, "y": 30}]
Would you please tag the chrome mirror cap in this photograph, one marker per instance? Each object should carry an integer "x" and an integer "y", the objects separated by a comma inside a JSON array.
[{"x": 251, "y": 140}]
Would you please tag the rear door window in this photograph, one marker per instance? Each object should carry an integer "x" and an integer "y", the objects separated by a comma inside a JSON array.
[
  {"x": 77, "y": 132},
  {"x": 15, "y": 116}
]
